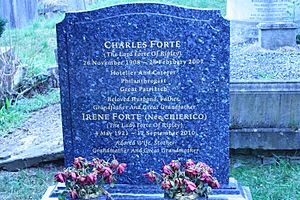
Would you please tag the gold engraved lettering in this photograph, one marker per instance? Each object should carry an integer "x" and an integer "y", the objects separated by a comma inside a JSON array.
[
  {"x": 94, "y": 117},
  {"x": 118, "y": 116}
]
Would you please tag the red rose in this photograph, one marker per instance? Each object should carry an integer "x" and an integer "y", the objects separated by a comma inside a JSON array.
[
  {"x": 97, "y": 161},
  {"x": 109, "y": 179},
  {"x": 114, "y": 164},
  {"x": 175, "y": 164},
  {"x": 166, "y": 185},
  {"x": 99, "y": 167},
  {"x": 91, "y": 178},
  {"x": 206, "y": 177},
  {"x": 73, "y": 175},
  {"x": 167, "y": 169},
  {"x": 77, "y": 163},
  {"x": 190, "y": 172},
  {"x": 60, "y": 177},
  {"x": 189, "y": 163},
  {"x": 106, "y": 171},
  {"x": 202, "y": 165},
  {"x": 190, "y": 186},
  {"x": 73, "y": 194},
  {"x": 151, "y": 176},
  {"x": 121, "y": 168},
  {"x": 215, "y": 184},
  {"x": 82, "y": 179}
]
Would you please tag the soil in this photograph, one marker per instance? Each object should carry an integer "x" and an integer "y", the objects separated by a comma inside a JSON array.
[{"x": 40, "y": 135}]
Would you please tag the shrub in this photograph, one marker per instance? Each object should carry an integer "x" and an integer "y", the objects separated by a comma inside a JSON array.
[{"x": 2, "y": 26}]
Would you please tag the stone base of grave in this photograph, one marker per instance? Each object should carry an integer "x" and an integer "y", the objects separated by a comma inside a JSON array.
[
  {"x": 234, "y": 191},
  {"x": 275, "y": 35},
  {"x": 248, "y": 31},
  {"x": 243, "y": 31}
]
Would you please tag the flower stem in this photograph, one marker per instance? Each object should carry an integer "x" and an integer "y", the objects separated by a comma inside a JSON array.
[{"x": 106, "y": 193}]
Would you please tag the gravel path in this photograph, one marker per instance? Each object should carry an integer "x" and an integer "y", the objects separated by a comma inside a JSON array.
[{"x": 249, "y": 62}]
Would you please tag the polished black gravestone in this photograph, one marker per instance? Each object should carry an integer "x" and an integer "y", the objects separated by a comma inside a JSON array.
[{"x": 146, "y": 84}]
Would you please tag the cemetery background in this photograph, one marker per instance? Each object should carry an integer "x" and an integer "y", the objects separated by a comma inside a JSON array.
[{"x": 40, "y": 37}]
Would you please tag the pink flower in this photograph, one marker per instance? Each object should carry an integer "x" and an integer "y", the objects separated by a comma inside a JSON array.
[
  {"x": 151, "y": 176},
  {"x": 166, "y": 185},
  {"x": 205, "y": 177},
  {"x": 175, "y": 164},
  {"x": 167, "y": 170},
  {"x": 97, "y": 161},
  {"x": 190, "y": 186},
  {"x": 99, "y": 167},
  {"x": 202, "y": 165},
  {"x": 189, "y": 163},
  {"x": 114, "y": 164},
  {"x": 82, "y": 179},
  {"x": 73, "y": 194},
  {"x": 210, "y": 170},
  {"x": 106, "y": 171},
  {"x": 91, "y": 178},
  {"x": 190, "y": 172},
  {"x": 60, "y": 177},
  {"x": 121, "y": 168},
  {"x": 215, "y": 184},
  {"x": 109, "y": 179},
  {"x": 73, "y": 175},
  {"x": 77, "y": 163}
]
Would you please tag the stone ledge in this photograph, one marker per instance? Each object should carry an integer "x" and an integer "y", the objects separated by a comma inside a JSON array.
[
  {"x": 265, "y": 139},
  {"x": 234, "y": 191},
  {"x": 277, "y": 25}
]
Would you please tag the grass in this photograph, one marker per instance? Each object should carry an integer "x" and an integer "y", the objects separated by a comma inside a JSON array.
[
  {"x": 271, "y": 182},
  {"x": 16, "y": 114},
  {"x": 265, "y": 76},
  {"x": 214, "y": 4},
  {"x": 34, "y": 45},
  {"x": 27, "y": 184},
  {"x": 267, "y": 182}
]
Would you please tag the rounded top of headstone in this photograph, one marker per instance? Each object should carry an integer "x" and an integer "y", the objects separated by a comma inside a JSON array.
[{"x": 144, "y": 8}]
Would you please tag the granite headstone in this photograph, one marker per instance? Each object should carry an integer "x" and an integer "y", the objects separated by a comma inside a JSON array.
[{"x": 145, "y": 83}]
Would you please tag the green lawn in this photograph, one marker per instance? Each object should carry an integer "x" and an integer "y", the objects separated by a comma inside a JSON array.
[
  {"x": 34, "y": 45},
  {"x": 28, "y": 184},
  {"x": 16, "y": 114},
  {"x": 214, "y": 4},
  {"x": 280, "y": 181},
  {"x": 270, "y": 182}
]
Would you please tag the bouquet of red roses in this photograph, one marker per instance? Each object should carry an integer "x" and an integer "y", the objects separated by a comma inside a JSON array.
[
  {"x": 189, "y": 181},
  {"x": 86, "y": 179}
]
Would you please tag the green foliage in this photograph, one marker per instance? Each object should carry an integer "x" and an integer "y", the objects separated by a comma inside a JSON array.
[
  {"x": 214, "y": 4},
  {"x": 2, "y": 26},
  {"x": 265, "y": 76},
  {"x": 12, "y": 116},
  {"x": 26, "y": 184},
  {"x": 271, "y": 182},
  {"x": 292, "y": 8},
  {"x": 34, "y": 45},
  {"x": 298, "y": 39}
]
